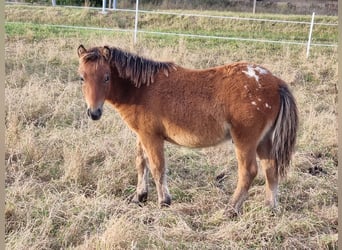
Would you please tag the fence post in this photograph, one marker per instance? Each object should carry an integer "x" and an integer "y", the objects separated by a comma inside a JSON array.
[
  {"x": 114, "y": 4},
  {"x": 53, "y": 3},
  {"x": 136, "y": 21},
  {"x": 310, "y": 34},
  {"x": 103, "y": 7},
  {"x": 254, "y": 6}
]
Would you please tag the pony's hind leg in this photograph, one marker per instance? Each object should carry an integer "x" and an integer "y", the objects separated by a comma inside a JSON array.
[
  {"x": 247, "y": 170},
  {"x": 142, "y": 169},
  {"x": 270, "y": 170},
  {"x": 154, "y": 149}
]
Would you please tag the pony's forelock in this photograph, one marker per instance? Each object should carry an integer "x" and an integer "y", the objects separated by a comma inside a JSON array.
[{"x": 91, "y": 55}]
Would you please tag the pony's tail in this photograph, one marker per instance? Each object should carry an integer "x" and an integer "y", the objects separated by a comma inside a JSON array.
[{"x": 285, "y": 131}]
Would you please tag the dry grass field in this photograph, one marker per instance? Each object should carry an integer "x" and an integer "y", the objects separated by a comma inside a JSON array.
[{"x": 68, "y": 179}]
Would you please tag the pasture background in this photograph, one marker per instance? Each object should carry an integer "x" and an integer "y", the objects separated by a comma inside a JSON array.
[
  {"x": 327, "y": 7},
  {"x": 68, "y": 179}
]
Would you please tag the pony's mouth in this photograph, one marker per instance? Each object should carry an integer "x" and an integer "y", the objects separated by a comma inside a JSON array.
[{"x": 94, "y": 114}]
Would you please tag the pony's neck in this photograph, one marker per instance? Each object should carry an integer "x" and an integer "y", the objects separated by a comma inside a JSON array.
[{"x": 122, "y": 91}]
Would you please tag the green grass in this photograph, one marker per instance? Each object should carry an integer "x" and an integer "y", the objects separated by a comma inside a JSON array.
[
  {"x": 68, "y": 179},
  {"x": 181, "y": 24}
]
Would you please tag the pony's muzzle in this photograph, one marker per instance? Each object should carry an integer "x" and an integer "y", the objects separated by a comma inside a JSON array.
[{"x": 94, "y": 114}]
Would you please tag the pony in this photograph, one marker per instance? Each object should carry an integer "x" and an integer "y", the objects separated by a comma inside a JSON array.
[{"x": 165, "y": 102}]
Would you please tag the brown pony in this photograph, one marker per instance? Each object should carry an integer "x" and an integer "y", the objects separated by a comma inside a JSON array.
[{"x": 162, "y": 101}]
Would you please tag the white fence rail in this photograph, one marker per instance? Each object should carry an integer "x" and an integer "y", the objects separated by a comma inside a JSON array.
[{"x": 135, "y": 31}]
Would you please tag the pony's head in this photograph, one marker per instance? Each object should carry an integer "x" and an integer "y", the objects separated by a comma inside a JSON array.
[{"x": 95, "y": 74}]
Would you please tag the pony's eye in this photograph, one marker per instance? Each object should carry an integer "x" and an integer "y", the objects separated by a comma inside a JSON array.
[{"x": 106, "y": 78}]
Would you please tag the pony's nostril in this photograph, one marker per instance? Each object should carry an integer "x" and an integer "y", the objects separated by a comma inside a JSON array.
[{"x": 94, "y": 115}]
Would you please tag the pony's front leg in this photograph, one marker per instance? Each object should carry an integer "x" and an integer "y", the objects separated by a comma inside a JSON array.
[
  {"x": 142, "y": 169},
  {"x": 154, "y": 148}
]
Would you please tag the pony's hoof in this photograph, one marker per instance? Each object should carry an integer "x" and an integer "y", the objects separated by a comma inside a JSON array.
[
  {"x": 273, "y": 209},
  {"x": 139, "y": 198},
  {"x": 271, "y": 203},
  {"x": 231, "y": 212},
  {"x": 142, "y": 197},
  {"x": 166, "y": 202}
]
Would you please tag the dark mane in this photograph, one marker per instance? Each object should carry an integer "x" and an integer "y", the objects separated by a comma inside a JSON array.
[
  {"x": 138, "y": 69},
  {"x": 130, "y": 66}
]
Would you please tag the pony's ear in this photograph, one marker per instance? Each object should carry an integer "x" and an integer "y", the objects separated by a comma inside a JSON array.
[
  {"x": 107, "y": 53},
  {"x": 81, "y": 50}
]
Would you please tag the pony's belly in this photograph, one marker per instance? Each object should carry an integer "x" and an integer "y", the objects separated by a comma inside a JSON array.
[
  {"x": 199, "y": 138},
  {"x": 194, "y": 142}
]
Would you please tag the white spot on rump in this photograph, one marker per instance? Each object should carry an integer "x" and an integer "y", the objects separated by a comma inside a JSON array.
[
  {"x": 255, "y": 72},
  {"x": 253, "y": 103},
  {"x": 251, "y": 72},
  {"x": 267, "y": 106},
  {"x": 261, "y": 71}
]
